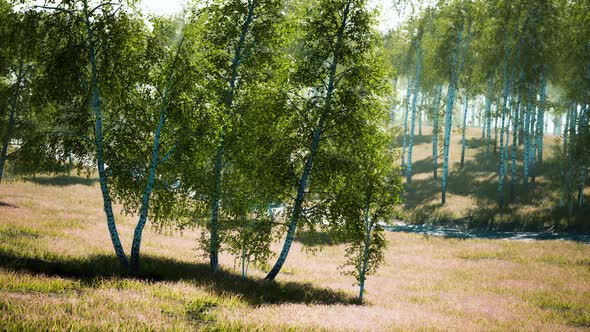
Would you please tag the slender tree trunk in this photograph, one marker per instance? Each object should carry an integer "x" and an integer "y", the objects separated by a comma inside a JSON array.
[
  {"x": 506, "y": 84},
  {"x": 496, "y": 133},
  {"x": 392, "y": 114},
  {"x": 583, "y": 168},
  {"x": 363, "y": 267},
  {"x": 489, "y": 116},
  {"x": 12, "y": 118},
  {"x": 435, "y": 131},
  {"x": 220, "y": 154},
  {"x": 413, "y": 120},
  {"x": 449, "y": 113},
  {"x": 312, "y": 153},
  {"x": 406, "y": 113},
  {"x": 102, "y": 175},
  {"x": 420, "y": 118},
  {"x": 541, "y": 121},
  {"x": 501, "y": 163},
  {"x": 582, "y": 185},
  {"x": 145, "y": 201},
  {"x": 533, "y": 145},
  {"x": 515, "y": 129},
  {"x": 464, "y": 127},
  {"x": 571, "y": 171}
]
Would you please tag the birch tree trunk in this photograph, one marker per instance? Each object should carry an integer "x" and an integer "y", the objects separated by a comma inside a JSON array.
[
  {"x": 102, "y": 175},
  {"x": 312, "y": 152},
  {"x": 463, "y": 132}
]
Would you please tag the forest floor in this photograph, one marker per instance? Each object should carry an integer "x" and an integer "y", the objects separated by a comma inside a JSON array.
[
  {"x": 473, "y": 190},
  {"x": 58, "y": 272}
]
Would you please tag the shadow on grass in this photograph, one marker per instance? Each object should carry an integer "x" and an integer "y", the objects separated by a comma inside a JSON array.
[
  {"x": 62, "y": 180},
  {"x": 317, "y": 239},
  {"x": 526, "y": 208},
  {"x": 154, "y": 269},
  {"x": 4, "y": 204}
]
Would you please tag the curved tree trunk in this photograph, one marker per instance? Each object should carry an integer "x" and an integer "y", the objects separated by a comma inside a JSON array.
[
  {"x": 102, "y": 175},
  {"x": 312, "y": 152},
  {"x": 145, "y": 202}
]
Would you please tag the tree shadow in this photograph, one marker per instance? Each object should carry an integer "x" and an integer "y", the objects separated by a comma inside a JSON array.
[
  {"x": 155, "y": 269},
  {"x": 525, "y": 210},
  {"x": 4, "y": 204},
  {"x": 476, "y": 143},
  {"x": 317, "y": 238},
  {"x": 62, "y": 180},
  {"x": 418, "y": 139}
]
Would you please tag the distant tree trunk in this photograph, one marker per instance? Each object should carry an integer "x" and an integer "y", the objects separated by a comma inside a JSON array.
[
  {"x": 406, "y": 113},
  {"x": 489, "y": 116},
  {"x": 414, "y": 103},
  {"x": 583, "y": 168},
  {"x": 12, "y": 118},
  {"x": 510, "y": 109},
  {"x": 420, "y": 118},
  {"x": 482, "y": 122},
  {"x": 464, "y": 127},
  {"x": 102, "y": 175},
  {"x": 568, "y": 116},
  {"x": 506, "y": 84},
  {"x": 449, "y": 113},
  {"x": 435, "y": 132},
  {"x": 541, "y": 121},
  {"x": 571, "y": 171},
  {"x": 514, "y": 148},
  {"x": 392, "y": 114},
  {"x": 533, "y": 145},
  {"x": 496, "y": 133},
  {"x": 527, "y": 141}
]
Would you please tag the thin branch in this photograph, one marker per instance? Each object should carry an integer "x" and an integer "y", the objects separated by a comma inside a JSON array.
[
  {"x": 105, "y": 4},
  {"x": 167, "y": 155},
  {"x": 71, "y": 12}
]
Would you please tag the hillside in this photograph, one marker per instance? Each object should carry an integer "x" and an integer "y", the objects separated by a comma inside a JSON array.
[{"x": 473, "y": 191}]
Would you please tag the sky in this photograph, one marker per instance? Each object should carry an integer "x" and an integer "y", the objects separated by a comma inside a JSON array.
[{"x": 389, "y": 19}]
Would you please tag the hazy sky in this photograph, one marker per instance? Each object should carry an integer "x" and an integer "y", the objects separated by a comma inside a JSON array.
[{"x": 166, "y": 7}]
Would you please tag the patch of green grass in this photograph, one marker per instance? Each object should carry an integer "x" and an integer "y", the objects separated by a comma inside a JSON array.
[
  {"x": 23, "y": 283},
  {"x": 477, "y": 255},
  {"x": 199, "y": 309},
  {"x": 572, "y": 307},
  {"x": 565, "y": 261},
  {"x": 20, "y": 232}
]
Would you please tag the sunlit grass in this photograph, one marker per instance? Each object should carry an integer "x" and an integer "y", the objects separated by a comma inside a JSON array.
[{"x": 58, "y": 272}]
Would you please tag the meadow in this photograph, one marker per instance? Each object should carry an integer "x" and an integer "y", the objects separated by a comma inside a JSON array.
[{"x": 58, "y": 272}]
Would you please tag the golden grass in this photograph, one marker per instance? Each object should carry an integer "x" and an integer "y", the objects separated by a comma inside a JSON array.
[{"x": 55, "y": 275}]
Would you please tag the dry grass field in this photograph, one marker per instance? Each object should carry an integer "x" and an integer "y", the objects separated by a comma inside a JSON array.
[{"x": 58, "y": 272}]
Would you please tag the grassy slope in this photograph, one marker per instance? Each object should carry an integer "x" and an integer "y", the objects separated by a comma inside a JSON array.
[
  {"x": 473, "y": 191},
  {"x": 58, "y": 271}
]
